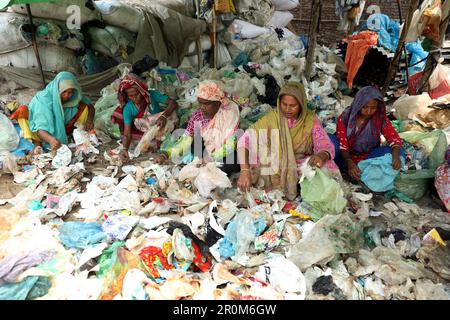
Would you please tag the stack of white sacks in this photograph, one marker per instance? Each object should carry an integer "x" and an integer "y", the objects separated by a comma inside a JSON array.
[{"x": 253, "y": 18}]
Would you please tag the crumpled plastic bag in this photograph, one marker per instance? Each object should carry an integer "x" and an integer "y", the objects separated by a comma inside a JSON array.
[
  {"x": 283, "y": 275},
  {"x": 12, "y": 266},
  {"x": 209, "y": 178},
  {"x": 378, "y": 174},
  {"x": 240, "y": 233},
  {"x": 63, "y": 157},
  {"x": 114, "y": 277},
  {"x": 414, "y": 183},
  {"x": 85, "y": 142},
  {"x": 434, "y": 143},
  {"x": 182, "y": 246},
  {"x": 132, "y": 288},
  {"x": 75, "y": 234},
  {"x": 331, "y": 235},
  {"x": 9, "y": 139},
  {"x": 323, "y": 194},
  {"x": 8, "y": 163},
  {"x": 118, "y": 226},
  {"x": 28, "y": 289}
]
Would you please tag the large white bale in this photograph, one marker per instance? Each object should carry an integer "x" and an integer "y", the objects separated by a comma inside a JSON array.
[
  {"x": 283, "y": 5},
  {"x": 119, "y": 14},
  {"x": 53, "y": 58},
  {"x": 58, "y": 10},
  {"x": 280, "y": 19}
]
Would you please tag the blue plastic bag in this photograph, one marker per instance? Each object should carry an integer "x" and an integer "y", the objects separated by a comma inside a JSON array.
[
  {"x": 418, "y": 54},
  {"x": 30, "y": 288},
  {"x": 75, "y": 234},
  {"x": 378, "y": 174}
]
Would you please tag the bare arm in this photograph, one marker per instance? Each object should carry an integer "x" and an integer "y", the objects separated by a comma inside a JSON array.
[{"x": 126, "y": 137}]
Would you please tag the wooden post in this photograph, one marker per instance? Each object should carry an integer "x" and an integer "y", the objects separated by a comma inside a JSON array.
[
  {"x": 316, "y": 8},
  {"x": 215, "y": 48},
  {"x": 404, "y": 48},
  {"x": 401, "y": 42},
  {"x": 35, "y": 46}
]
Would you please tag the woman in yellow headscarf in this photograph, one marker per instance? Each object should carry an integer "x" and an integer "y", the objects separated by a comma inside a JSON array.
[{"x": 282, "y": 140}]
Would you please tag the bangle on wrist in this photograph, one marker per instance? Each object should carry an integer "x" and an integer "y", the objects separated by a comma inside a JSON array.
[{"x": 245, "y": 169}]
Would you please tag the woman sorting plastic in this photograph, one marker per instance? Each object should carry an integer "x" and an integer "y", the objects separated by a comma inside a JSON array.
[
  {"x": 53, "y": 112},
  {"x": 442, "y": 181},
  {"x": 359, "y": 129},
  {"x": 140, "y": 109},
  {"x": 279, "y": 143},
  {"x": 211, "y": 131}
]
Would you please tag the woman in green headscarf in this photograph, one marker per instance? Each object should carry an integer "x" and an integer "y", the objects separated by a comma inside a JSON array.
[
  {"x": 53, "y": 112},
  {"x": 282, "y": 140}
]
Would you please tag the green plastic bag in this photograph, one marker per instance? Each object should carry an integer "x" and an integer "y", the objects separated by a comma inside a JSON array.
[
  {"x": 108, "y": 258},
  {"x": 104, "y": 108},
  {"x": 323, "y": 195},
  {"x": 434, "y": 143},
  {"x": 414, "y": 183}
]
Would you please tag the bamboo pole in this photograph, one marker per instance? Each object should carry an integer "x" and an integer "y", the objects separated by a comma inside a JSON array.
[
  {"x": 401, "y": 42},
  {"x": 215, "y": 37},
  {"x": 404, "y": 48},
  {"x": 35, "y": 47},
  {"x": 316, "y": 8}
]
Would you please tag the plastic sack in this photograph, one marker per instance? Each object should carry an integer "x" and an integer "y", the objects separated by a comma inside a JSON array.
[
  {"x": 9, "y": 139},
  {"x": 285, "y": 4},
  {"x": 280, "y": 19},
  {"x": 331, "y": 235},
  {"x": 439, "y": 81},
  {"x": 414, "y": 183},
  {"x": 378, "y": 174},
  {"x": 247, "y": 30},
  {"x": 104, "y": 108},
  {"x": 408, "y": 107},
  {"x": 323, "y": 194},
  {"x": 75, "y": 234},
  {"x": 434, "y": 143}
]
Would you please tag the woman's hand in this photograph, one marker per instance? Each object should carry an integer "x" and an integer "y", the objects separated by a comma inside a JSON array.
[
  {"x": 245, "y": 180},
  {"x": 353, "y": 170},
  {"x": 161, "y": 122},
  {"x": 161, "y": 158},
  {"x": 318, "y": 160},
  {"x": 396, "y": 163},
  {"x": 89, "y": 125},
  {"x": 55, "y": 144},
  {"x": 124, "y": 156}
]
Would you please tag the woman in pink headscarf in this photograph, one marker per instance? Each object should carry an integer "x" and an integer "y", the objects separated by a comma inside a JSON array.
[{"x": 212, "y": 128}]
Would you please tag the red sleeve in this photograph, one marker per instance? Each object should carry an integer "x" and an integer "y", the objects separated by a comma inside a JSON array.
[
  {"x": 390, "y": 134},
  {"x": 341, "y": 133}
]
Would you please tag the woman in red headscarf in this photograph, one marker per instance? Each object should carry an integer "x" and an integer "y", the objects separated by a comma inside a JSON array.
[{"x": 139, "y": 109}]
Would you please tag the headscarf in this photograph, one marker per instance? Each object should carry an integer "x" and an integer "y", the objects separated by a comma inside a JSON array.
[
  {"x": 293, "y": 142},
  {"x": 132, "y": 81},
  {"x": 224, "y": 123},
  {"x": 369, "y": 136},
  {"x": 46, "y": 110},
  {"x": 210, "y": 90}
]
